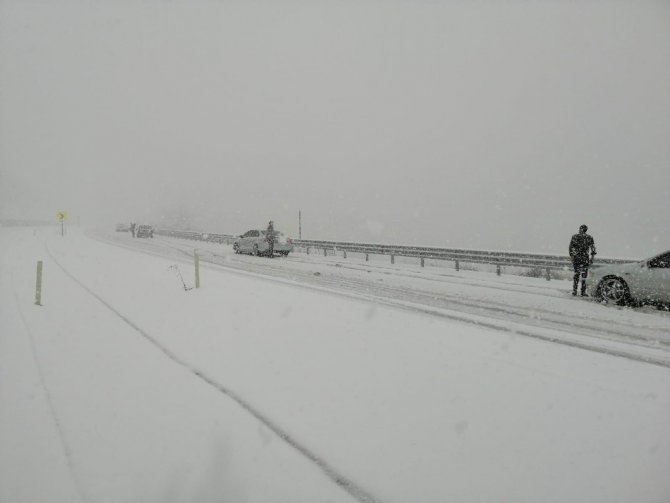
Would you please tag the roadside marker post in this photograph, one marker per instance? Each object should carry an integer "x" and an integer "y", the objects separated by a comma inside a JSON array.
[
  {"x": 62, "y": 217},
  {"x": 197, "y": 268},
  {"x": 38, "y": 284}
]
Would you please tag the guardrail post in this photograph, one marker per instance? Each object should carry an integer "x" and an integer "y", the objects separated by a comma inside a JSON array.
[
  {"x": 458, "y": 266},
  {"x": 367, "y": 257},
  {"x": 344, "y": 254},
  {"x": 38, "y": 284},
  {"x": 325, "y": 252},
  {"x": 548, "y": 274},
  {"x": 422, "y": 262},
  {"x": 308, "y": 250},
  {"x": 498, "y": 269},
  {"x": 393, "y": 259}
]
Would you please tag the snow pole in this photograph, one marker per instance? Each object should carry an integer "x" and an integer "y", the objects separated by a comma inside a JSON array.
[
  {"x": 38, "y": 284},
  {"x": 197, "y": 268}
]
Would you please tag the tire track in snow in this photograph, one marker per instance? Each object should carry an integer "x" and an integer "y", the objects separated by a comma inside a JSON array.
[
  {"x": 50, "y": 403},
  {"x": 347, "y": 484}
]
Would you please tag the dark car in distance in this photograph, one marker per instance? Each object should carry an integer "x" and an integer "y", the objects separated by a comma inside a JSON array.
[{"x": 144, "y": 231}]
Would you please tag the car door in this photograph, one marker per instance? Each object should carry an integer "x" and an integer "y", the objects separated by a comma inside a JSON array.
[
  {"x": 262, "y": 241},
  {"x": 253, "y": 240},
  {"x": 659, "y": 277},
  {"x": 243, "y": 243},
  {"x": 259, "y": 240}
]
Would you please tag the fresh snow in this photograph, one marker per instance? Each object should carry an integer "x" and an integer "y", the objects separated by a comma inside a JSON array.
[{"x": 273, "y": 384}]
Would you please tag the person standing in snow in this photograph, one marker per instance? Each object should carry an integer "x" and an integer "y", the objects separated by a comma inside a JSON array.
[
  {"x": 580, "y": 246},
  {"x": 270, "y": 236}
]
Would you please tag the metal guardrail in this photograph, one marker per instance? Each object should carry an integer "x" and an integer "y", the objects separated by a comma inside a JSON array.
[
  {"x": 546, "y": 263},
  {"x": 474, "y": 256},
  {"x": 209, "y": 237}
]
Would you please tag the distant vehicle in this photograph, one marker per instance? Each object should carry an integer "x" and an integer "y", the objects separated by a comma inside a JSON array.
[
  {"x": 122, "y": 228},
  {"x": 144, "y": 231},
  {"x": 646, "y": 282},
  {"x": 255, "y": 242}
]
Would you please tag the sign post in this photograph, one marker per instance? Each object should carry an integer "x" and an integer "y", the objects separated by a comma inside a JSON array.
[{"x": 62, "y": 217}]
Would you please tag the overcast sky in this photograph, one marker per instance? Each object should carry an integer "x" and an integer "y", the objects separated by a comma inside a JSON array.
[{"x": 470, "y": 124}]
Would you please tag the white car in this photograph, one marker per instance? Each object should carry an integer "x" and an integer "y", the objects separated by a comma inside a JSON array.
[
  {"x": 255, "y": 242},
  {"x": 641, "y": 282}
]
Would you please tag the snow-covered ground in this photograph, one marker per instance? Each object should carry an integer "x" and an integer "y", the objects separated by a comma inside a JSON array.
[{"x": 316, "y": 379}]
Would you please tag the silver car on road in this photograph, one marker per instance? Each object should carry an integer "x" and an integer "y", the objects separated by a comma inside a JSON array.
[
  {"x": 647, "y": 281},
  {"x": 255, "y": 242}
]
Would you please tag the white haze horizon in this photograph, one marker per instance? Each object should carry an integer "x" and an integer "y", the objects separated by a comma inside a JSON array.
[{"x": 494, "y": 125}]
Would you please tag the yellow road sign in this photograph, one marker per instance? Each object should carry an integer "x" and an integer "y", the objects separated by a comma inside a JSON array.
[{"x": 62, "y": 216}]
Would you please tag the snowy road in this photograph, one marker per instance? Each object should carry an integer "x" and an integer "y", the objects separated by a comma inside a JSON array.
[
  {"x": 526, "y": 306},
  {"x": 316, "y": 379}
]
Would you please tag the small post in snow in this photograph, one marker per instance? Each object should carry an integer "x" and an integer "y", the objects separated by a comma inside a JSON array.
[
  {"x": 392, "y": 259},
  {"x": 458, "y": 267},
  {"x": 548, "y": 274},
  {"x": 197, "y": 268},
  {"x": 422, "y": 262},
  {"x": 62, "y": 217},
  {"x": 498, "y": 269},
  {"x": 38, "y": 284}
]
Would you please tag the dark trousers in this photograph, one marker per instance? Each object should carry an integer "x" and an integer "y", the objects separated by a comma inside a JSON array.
[{"x": 581, "y": 269}]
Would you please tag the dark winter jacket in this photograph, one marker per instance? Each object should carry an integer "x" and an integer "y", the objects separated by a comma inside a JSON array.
[{"x": 581, "y": 245}]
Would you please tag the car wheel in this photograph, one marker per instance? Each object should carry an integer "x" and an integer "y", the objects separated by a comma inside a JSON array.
[{"x": 614, "y": 290}]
